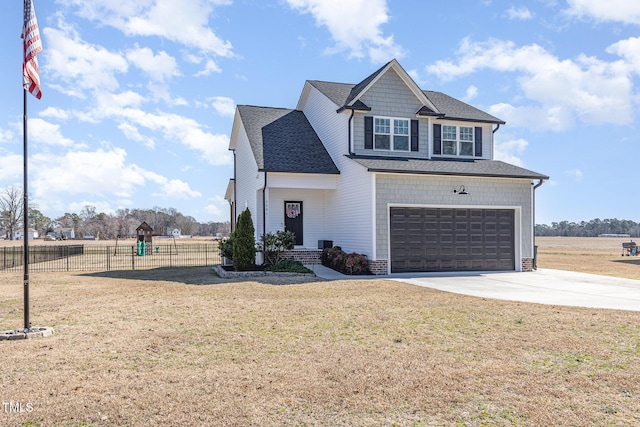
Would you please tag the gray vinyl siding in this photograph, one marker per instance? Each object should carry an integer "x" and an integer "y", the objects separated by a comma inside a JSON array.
[
  {"x": 390, "y": 97},
  {"x": 438, "y": 191}
]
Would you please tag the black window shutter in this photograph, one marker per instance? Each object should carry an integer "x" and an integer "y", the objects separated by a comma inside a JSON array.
[
  {"x": 414, "y": 136},
  {"x": 437, "y": 139},
  {"x": 478, "y": 141},
  {"x": 368, "y": 133}
]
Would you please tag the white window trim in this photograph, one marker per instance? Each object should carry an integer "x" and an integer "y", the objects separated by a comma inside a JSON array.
[
  {"x": 392, "y": 134},
  {"x": 458, "y": 141}
]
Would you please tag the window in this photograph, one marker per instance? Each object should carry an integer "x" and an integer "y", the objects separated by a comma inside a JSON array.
[
  {"x": 456, "y": 141},
  {"x": 391, "y": 134}
]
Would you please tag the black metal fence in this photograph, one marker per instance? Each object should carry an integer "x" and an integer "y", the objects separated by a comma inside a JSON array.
[{"x": 104, "y": 258}]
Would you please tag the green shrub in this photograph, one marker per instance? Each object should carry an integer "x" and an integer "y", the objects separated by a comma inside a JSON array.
[
  {"x": 290, "y": 266},
  {"x": 226, "y": 247},
  {"x": 273, "y": 245},
  {"x": 244, "y": 242}
]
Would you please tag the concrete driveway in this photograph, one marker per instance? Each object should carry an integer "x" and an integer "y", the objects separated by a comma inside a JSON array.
[{"x": 554, "y": 287}]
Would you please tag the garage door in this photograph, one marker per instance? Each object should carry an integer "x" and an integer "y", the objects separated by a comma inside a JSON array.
[{"x": 439, "y": 239}]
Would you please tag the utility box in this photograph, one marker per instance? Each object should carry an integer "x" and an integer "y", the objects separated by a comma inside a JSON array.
[{"x": 325, "y": 244}]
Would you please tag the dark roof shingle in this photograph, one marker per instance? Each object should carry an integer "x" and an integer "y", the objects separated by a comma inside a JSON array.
[
  {"x": 282, "y": 140},
  {"x": 485, "y": 168}
]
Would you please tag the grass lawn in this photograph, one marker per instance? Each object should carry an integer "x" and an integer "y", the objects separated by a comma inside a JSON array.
[{"x": 183, "y": 347}]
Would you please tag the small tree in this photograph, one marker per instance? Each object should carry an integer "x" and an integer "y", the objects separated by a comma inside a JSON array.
[
  {"x": 244, "y": 242},
  {"x": 273, "y": 245}
]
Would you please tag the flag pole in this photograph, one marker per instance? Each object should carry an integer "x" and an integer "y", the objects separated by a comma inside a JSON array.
[{"x": 25, "y": 205}]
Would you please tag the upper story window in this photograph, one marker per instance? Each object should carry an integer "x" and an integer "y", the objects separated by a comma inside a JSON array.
[
  {"x": 464, "y": 141},
  {"x": 391, "y": 134}
]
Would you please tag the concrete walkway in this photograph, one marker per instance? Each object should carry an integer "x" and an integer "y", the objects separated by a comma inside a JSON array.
[{"x": 554, "y": 287}]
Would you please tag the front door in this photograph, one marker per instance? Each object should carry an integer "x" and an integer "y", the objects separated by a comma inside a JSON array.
[{"x": 293, "y": 219}]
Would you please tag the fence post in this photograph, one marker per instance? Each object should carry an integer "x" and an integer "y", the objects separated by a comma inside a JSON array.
[
  {"x": 108, "y": 253},
  {"x": 67, "y": 250},
  {"x": 133, "y": 258}
]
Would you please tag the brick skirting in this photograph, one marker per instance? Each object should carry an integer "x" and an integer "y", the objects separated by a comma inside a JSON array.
[
  {"x": 527, "y": 264},
  {"x": 379, "y": 266},
  {"x": 305, "y": 256}
]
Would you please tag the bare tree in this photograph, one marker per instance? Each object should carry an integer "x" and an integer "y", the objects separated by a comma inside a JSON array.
[{"x": 11, "y": 210}]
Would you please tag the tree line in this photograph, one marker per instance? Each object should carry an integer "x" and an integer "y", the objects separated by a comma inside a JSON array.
[
  {"x": 592, "y": 228},
  {"x": 90, "y": 222}
]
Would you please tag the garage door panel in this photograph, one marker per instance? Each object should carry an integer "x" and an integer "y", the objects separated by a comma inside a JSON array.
[{"x": 444, "y": 239}]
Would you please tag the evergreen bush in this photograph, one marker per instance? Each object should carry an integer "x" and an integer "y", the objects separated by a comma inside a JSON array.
[{"x": 244, "y": 242}]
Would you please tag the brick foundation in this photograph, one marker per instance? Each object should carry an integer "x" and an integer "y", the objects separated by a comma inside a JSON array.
[
  {"x": 305, "y": 256},
  {"x": 527, "y": 264},
  {"x": 379, "y": 266}
]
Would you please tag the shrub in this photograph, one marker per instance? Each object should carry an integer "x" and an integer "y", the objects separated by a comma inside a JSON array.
[
  {"x": 273, "y": 245},
  {"x": 244, "y": 242},
  {"x": 226, "y": 247},
  {"x": 339, "y": 260},
  {"x": 290, "y": 266}
]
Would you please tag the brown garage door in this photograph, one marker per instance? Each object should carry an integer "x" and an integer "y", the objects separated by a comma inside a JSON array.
[{"x": 440, "y": 239}]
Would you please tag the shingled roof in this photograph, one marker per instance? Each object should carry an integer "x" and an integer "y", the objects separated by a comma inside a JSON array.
[
  {"x": 485, "y": 168},
  {"x": 282, "y": 140},
  {"x": 342, "y": 94}
]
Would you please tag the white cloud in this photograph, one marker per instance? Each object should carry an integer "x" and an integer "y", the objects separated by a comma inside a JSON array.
[
  {"x": 584, "y": 88},
  {"x": 160, "y": 67},
  {"x": 360, "y": 37},
  {"x": 213, "y": 148},
  {"x": 218, "y": 210},
  {"x": 471, "y": 93},
  {"x": 11, "y": 167},
  {"x": 47, "y": 133},
  {"x": 510, "y": 151},
  {"x": 519, "y": 13},
  {"x": 209, "y": 67},
  {"x": 177, "y": 189},
  {"x": 79, "y": 64},
  {"x": 54, "y": 113},
  {"x": 624, "y": 11},
  {"x": 184, "y": 22},
  {"x": 224, "y": 106},
  {"x": 93, "y": 172},
  {"x": 5, "y": 135},
  {"x": 131, "y": 132}
]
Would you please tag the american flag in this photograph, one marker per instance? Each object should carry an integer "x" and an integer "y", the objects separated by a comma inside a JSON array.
[{"x": 32, "y": 47}]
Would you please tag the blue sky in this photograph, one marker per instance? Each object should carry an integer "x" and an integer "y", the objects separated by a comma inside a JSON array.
[{"x": 138, "y": 97}]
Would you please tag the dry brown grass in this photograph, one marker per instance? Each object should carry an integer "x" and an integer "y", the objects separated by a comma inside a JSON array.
[
  {"x": 183, "y": 347},
  {"x": 597, "y": 255}
]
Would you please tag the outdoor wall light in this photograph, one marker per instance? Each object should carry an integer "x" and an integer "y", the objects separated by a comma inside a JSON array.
[{"x": 460, "y": 190}]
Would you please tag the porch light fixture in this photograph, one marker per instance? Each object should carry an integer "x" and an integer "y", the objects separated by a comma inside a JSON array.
[{"x": 460, "y": 190}]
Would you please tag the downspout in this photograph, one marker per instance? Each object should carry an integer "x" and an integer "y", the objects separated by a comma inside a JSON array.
[
  {"x": 264, "y": 211},
  {"x": 264, "y": 205},
  {"x": 533, "y": 219},
  {"x": 349, "y": 132},
  {"x": 496, "y": 129}
]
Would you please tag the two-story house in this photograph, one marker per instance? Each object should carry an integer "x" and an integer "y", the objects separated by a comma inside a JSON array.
[{"x": 403, "y": 175}]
